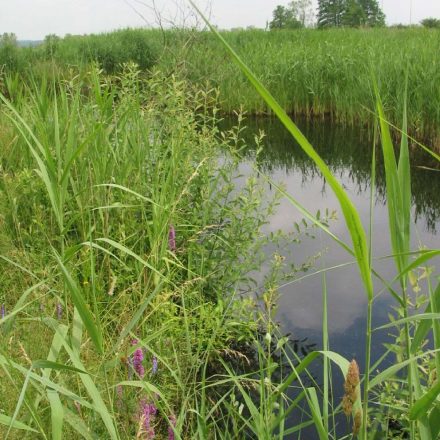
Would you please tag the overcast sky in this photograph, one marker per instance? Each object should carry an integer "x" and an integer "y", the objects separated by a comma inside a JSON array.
[{"x": 33, "y": 19}]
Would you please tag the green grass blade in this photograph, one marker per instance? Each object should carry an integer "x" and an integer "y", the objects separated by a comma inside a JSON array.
[
  {"x": 423, "y": 405},
  {"x": 78, "y": 300},
  {"x": 7, "y": 421},
  {"x": 57, "y": 414},
  {"x": 351, "y": 215}
]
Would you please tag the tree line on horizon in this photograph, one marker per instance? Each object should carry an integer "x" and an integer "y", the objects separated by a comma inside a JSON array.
[
  {"x": 334, "y": 13},
  {"x": 331, "y": 13}
]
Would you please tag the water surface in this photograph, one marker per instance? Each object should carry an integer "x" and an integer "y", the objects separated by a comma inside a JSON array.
[{"x": 348, "y": 152}]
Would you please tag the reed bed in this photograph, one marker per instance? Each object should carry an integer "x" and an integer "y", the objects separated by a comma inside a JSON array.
[
  {"x": 317, "y": 73},
  {"x": 125, "y": 244}
]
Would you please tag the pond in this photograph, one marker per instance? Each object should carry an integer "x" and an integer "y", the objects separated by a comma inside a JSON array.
[{"x": 348, "y": 152}]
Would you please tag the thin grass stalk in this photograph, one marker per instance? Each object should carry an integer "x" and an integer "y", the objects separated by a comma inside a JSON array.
[
  {"x": 364, "y": 429},
  {"x": 325, "y": 347}
]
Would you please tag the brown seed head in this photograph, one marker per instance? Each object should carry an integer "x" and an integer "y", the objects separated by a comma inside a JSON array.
[
  {"x": 350, "y": 388},
  {"x": 357, "y": 422}
]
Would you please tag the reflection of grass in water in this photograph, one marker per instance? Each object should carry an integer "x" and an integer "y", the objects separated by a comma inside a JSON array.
[
  {"x": 423, "y": 413},
  {"x": 345, "y": 149}
]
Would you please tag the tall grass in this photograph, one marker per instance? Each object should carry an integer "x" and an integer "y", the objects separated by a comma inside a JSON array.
[
  {"x": 424, "y": 411},
  {"x": 125, "y": 243},
  {"x": 91, "y": 187},
  {"x": 310, "y": 72}
]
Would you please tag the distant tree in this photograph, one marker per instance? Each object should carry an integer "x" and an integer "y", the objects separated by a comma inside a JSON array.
[
  {"x": 431, "y": 22},
  {"x": 354, "y": 13},
  {"x": 51, "y": 43},
  {"x": 9, "y": 51},
  {"x": 373, "y": 14},
  {"x": 285, "y": 18},
  {"x": 8, "y": 39},
  {"x": 304, "y": 11},
  {"x": 331, "y": 12}
]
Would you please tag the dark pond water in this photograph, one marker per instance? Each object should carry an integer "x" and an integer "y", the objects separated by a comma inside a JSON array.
[{"x": 348, "y": 152}]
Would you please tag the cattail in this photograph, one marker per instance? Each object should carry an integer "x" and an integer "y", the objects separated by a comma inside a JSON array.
[
  {"x": 350, "y": 388},
  {"x": 171, "y": 427},
  {"x": 357, "y": 422},
  {"x": 172, "y": 239},
  {"x": 154, "y": 367},
  {"x": 59, "y": 311},
  {"x": 137, "y": 359}
]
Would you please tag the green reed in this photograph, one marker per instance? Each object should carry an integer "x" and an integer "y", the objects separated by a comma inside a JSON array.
[{"x": 399, "y": 207}]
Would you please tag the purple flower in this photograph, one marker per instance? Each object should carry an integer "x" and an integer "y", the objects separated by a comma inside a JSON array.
[
  {"x": 148, "y": 411},
  {"x": 172, "y": 239},
  {"x": 3, "y": 311},
  {"x": 59, "y": 310},
  {"x": 137, "y": 359},
  {"x": 154, "y": 368},
  {"x": 171, "y": 427}
]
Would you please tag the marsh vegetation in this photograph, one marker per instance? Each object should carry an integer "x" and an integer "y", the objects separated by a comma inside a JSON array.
[{"x": 130, "y": 240}]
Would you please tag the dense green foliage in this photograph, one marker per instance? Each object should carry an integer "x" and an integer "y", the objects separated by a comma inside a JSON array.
[
  {"x": 315, "y": 73},
  {"x": 433, "y": 23},
  {"x": 353, "y": 13},
  {"x": 284, "y": 18},
  {"x": 129, "y": 228},
  {"x": 125, "y": 242},
  {"x": 297, "y": 14}
]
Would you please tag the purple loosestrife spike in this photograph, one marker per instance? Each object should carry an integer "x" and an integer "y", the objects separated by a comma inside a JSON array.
[
  {"x": 59, "y": 311},
  {"x": 148, "y": 411},
  {"x": 138, "y": 358},
  {"x": 3, "y": 311},
  {"x": 154, "y": 369},
  {"x": 171, "y": 427},
  {"x": 172, "y": 239}
]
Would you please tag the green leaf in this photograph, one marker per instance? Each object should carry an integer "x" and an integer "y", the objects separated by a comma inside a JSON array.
[
  {"x": 351, "y": 215},
  {"x": 78, "y": 300},
  {"x": 423, "y": 405},
  {"x": 55, "y": 366},
  {"x": 6, "y": 420},
  {"x": 57, "y": 414}
]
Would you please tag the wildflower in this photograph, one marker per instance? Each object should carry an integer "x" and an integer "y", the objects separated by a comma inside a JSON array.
[
  {"x": 357, "y": 423},
  {"x": 148, "y": 412},
  {"x": 350, "y": 387},
  {"x": 172, "y": 239},
  {"x": 171, "y": 427},
  {"x": 154, "y": 368},
  {"x": 137, "y": 359},
  {"x": 3, "y": 311},
  {"x": 59, "y": 311}
]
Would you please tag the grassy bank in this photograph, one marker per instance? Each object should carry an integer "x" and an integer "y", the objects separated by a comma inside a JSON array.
[
  {"x": 123, "y": 245},
  {"x": 311, "y": 72},
  {"x": 126, "y": 245}
]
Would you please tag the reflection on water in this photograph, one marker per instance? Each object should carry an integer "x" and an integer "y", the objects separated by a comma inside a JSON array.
[{"x": 348, "y": 153}]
